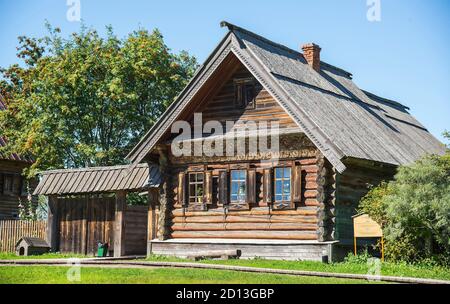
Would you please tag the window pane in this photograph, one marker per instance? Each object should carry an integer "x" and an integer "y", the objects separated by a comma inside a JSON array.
[
  {"x": 200, "y": 177},
  {"x": 287, "y": 173},
  {"x": 242, "y": 189},
  {"x": 278, "y": 187},
  {"x": 278, "y": 173},
  {"x": 279, "y": 198},
  {"x": 234, "y": 188},
  {"x": 238, "y": 185},
  {"x": 287, "y": 186}
]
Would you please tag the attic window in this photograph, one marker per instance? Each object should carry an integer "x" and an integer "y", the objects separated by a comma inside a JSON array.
[{"x": 245, "y": 93}]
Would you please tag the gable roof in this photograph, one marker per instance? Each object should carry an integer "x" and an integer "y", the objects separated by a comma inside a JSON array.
[
  {"x": 3, "y": 143},
  {"x": 342, "y": 120},
  {"x": 33, "y": 242},
  {"x": 98, "y": 180}
]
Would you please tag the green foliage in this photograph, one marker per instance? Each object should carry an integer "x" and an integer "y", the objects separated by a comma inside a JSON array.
[
  {"x": 134, "y": 199},
  {"x": 87, "y": 100},
  {"x": 414, "y": 210},
  {"x": 361, "y": 258}
]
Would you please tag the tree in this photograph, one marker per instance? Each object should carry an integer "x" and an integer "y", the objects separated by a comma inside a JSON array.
[
  {"x": 414, "y": 210},
  {"x": 87, "y": 100}
]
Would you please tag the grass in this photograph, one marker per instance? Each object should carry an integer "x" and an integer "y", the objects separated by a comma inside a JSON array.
[
  {"x": 387, "y": 269},
  {"x": 58, "y": 275},
  {"x": 12, "y": 256}
]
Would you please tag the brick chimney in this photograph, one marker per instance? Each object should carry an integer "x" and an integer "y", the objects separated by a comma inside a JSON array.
[{"x": 311, "y": 52}]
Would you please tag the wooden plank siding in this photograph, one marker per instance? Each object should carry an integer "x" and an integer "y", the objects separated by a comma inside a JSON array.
[
  {"x": 136, "y": 226},
  {"x": 221, "y": 106},
  {"x": 84, "y": 222},
  {"x": 11, "y": 231}
]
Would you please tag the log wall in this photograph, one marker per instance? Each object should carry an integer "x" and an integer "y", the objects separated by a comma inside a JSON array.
[
  {"x": 260, "y": 221},
  {"x": 9, "y": 200},
  {"x": 352, "y": 186}
]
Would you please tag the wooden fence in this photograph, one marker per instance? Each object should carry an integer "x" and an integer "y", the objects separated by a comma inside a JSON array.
[{"x": 12, "y": 231}]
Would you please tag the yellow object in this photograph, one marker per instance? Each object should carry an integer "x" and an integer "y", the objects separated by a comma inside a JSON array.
[{"x": 365, "y": 227}]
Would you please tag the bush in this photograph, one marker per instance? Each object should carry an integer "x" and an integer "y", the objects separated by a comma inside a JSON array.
[{"x": 414, "y": 211}]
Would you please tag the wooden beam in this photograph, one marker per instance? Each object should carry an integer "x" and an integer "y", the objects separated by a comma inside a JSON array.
[
  {"x": 119, "y": 224},
  {"x": 152, "y": 224},
  {"x": 164, "y": 195},
  {"x": 53, "y": 226}
]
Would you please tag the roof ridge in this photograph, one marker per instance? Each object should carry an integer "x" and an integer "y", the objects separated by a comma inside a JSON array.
[
  {"x": 233, "y": 27},
  {"x": 383, "y": 99}
]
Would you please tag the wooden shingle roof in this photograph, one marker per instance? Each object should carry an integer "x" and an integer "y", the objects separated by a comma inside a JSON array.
[
  {"x": 342, "y": 120},
  {"x": 98, "y": 180}
]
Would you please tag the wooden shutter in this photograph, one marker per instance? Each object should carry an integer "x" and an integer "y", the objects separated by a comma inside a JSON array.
[
  {"x": 183, "y": 191},
  {"x": 268, "y": 186},
  {"x": 296, "y": 184},
  {"x": 223, "y": 188},
  {"x": 251, "y": 187},
  {"x": 208, "y": 185}
]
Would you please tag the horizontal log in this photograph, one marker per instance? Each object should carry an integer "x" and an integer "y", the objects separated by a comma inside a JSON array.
[
  {"x": 265, "y": 235},
  {"x": 311, "y": 193},
  {"x": 308, "y": 161},
  {"x": 243, "y": 227},
  {"x": 310, "y": 169},
  {"x": 312, "y": 202},
  {"x": 224, "y": 254},
  {"x": 254, "y": 211},
  {"x": 248, "y": 219}
]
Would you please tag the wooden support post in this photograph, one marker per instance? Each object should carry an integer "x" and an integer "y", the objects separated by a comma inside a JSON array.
[
  {"x": 382, "y": 249},
  {"x": 354, "y": 241},
  {"x": 53, "y": 234},
  {"x": 152, "y": 224},
  {"x": 164, "y": 199},
  {"x": 119, "y": 224}
]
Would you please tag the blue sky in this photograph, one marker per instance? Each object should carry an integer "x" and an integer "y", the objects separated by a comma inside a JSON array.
[{"x": 404, "y": 57}]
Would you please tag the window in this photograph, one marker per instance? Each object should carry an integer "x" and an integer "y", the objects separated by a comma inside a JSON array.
[
  {"x": 282, "y": 184},
  {"x": 196, "y": 188},
  {"x": 238, "y": 186},
  {"x": 8, "y": 184},
  {"x": 245, "y": 93}
]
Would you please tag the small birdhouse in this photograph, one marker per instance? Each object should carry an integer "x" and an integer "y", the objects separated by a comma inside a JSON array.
[{"x": 27, "y": 246}]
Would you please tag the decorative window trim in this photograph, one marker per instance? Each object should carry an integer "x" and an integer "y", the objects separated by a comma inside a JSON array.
[
  {"x": 240, "y": 181},
  {"x": 295, "y": 188},
  {"x": 196, "y": 199}
]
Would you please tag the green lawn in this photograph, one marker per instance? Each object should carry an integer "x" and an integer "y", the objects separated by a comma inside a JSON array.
[
  {"x": 12, "y": 256},
  {"x": 388, "y": 269},
  {"x": 58, "y": 275}
]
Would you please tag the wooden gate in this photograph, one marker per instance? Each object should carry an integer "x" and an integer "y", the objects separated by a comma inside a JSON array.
[{"x": 85, "y": 221}]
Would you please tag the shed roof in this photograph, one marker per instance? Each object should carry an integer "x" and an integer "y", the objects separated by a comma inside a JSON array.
[
  {"x": 342, "y": 120},
  {"x": 98, "y": 180}
]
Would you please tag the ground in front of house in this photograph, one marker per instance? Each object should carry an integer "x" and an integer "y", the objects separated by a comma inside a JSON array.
[{"x": 60, "y": 275}]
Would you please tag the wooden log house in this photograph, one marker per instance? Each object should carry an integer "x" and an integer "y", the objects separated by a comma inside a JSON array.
[
  {"x": 297, "y": 203},
  {"x": 227, "y": 192}
]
